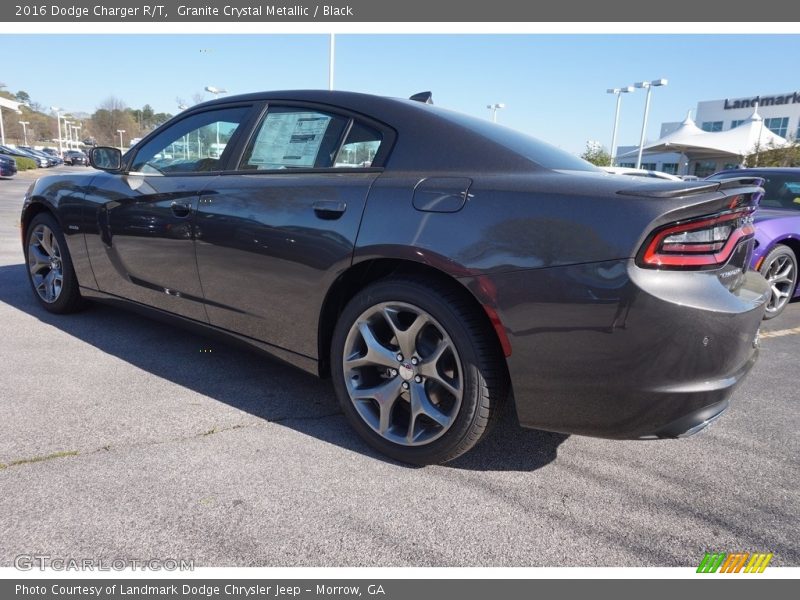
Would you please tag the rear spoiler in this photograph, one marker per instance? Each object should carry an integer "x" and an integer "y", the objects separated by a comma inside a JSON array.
[{"x": 690, "y": 188}]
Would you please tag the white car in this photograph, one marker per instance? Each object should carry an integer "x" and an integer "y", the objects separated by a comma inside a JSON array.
[{"x": 640, "y": 173}]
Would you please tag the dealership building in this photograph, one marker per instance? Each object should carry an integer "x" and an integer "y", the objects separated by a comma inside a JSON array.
[{"x": 779, "y": 113}]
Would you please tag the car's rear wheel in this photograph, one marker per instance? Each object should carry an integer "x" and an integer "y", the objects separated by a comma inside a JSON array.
[
  {"x": 780, "y": 270},
  {"x": 417, "y": 370},
  {"x": 50, "y": 266}
]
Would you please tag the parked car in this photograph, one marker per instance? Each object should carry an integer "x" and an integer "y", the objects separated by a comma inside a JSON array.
[
  {"x": 54, "y": 153},
  {"x": 777, "y": 246},
  {"x": 51, "y": 160},
  {"x": 465, "y": 261},
  {"x": 8, "y": 166},
  {"x": 76, "y": 157},
  {"x": 18, "y": 152},
  {"x": 631, "y": 172}
]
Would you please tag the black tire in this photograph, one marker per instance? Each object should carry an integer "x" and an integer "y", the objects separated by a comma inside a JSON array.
[
  {"x": 483, "y": 374},
  {"x": 780, "y": 259},
  {"x": 68, "y": 299}
]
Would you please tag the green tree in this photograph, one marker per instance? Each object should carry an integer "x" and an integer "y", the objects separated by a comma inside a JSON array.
[
  {"x": 771, "y": 155},
  {"x": 23, "y": 97},
  {"x": 596, "y": 154}
]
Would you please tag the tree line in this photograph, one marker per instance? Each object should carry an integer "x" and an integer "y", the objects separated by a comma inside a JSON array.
[{"x": 99, "y": 128}]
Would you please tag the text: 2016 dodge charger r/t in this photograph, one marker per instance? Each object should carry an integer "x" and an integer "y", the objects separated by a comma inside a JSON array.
[{"x": 428, "y": 262}]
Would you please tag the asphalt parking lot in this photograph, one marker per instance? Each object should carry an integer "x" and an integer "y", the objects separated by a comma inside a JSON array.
[{"x": 125, "y": 438}]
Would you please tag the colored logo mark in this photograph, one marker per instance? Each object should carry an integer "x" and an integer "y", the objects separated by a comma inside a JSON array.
[{"x": 744, "y": 562}]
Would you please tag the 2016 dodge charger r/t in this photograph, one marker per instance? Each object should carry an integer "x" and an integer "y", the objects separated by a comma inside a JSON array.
[{"x": 430, "y": 263}]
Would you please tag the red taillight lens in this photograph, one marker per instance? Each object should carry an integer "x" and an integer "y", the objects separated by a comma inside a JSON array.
[{"x": 705, "y": 242}]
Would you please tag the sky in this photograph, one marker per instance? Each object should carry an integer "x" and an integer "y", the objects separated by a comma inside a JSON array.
[{"x": 553, "y": 86}]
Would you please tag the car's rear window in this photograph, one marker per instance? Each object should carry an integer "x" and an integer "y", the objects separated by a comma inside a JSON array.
[{"x": 537, "y": 151}]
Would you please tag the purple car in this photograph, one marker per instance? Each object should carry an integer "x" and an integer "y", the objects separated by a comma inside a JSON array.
[{"x": 777, "y": 249}]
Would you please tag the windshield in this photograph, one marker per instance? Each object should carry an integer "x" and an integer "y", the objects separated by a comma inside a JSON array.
[{"x": 781, "y": 190}]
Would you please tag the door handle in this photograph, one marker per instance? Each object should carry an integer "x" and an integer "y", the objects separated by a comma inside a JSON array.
[
  {"x": 329, "y": 209},
  {"x": 181, "y": 209}
]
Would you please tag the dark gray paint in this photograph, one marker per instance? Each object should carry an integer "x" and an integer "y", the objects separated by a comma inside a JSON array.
[{"x": 598, "y": 344}]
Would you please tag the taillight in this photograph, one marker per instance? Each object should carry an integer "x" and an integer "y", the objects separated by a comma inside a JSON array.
[{"x": 705, "y": 242}]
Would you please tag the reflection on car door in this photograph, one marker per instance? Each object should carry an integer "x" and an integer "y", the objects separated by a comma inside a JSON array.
[{"x": 145, "y": 250}]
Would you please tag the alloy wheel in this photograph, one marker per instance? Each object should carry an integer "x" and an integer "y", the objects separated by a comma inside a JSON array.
[
  {"x": 45, "y": 263},
  {"x": 403, "y": 373},
  {"x": 781, "y": 274}
]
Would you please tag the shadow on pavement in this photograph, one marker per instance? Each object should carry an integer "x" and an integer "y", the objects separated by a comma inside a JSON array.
[{"x": 253, "y": 383}]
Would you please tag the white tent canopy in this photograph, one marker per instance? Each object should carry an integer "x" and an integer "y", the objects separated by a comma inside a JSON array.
[{"x": 740, "y": 141}]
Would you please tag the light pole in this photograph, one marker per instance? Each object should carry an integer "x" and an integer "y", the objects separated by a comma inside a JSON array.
[
  {"x": 120, "y": 132},
  {"x": 67, "y": 137},
  {"x": 648, "y": 85},
  {"x": 25, "y": 130},
  {"x": 618, "y": 93},
  {"x": 182, "y": 107},
  {"x": 57, "y": 110},
  {"x": 76, "y": 129},
  {"x": 216, "y": 91},
  {"x": 494, "y": 108}
]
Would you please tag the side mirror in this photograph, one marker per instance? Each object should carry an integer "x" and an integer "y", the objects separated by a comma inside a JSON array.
[{"x": 105, "y": 158}]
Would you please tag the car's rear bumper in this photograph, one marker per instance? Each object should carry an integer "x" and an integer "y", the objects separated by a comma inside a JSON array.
[{"x": 612, "y": 350}]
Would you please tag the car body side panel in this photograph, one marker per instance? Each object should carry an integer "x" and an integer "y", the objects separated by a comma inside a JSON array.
[
  {"x": 269, "y": 246},
  {"x": 510, "y": 222}
]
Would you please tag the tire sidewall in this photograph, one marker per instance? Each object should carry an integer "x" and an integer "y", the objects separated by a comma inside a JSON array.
[{"x": 417, "y": 295}]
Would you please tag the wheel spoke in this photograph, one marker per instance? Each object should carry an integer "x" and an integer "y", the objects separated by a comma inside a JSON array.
[
  {"x": 777, "y": 280},
  {"x": 385, "y": 394},
  {"x": 46, "y": 241},
  {"x": 377, "y": 353},
  {"x": 778, "y": 293},
  {"x": 406, "y": 338},
  {"x": 36, "y": 260},
  {"x": 429, "y": 366},
  {"x": 48, "y": 286}
]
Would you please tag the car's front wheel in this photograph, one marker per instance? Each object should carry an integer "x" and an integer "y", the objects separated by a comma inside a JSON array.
[
  {"x": 417, "y": 370},
  {"x": 49, "y": 264},
  {"x": 780, "y": 270}
]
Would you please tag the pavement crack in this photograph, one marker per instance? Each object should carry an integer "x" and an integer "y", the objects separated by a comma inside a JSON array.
[
  {"x": 36, "y": 459},
  {"x": 192, "y": 436},
  {"x": 314, "y": 418}
]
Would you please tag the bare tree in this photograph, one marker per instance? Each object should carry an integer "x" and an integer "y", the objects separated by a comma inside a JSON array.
[{"x": 110, "y": 116}]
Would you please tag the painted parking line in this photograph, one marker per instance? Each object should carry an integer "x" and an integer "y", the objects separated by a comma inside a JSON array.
[{"x": 779, "y": 333}]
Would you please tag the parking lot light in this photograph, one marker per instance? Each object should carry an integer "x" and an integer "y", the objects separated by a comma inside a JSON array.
[
  {"x": 648, "y": 85},
  {"x": 57, "y": 110},
  {"x": 120, "y": 132},
  {"x": 25, "y": 130},
  {"x": 494, "y": 108},
  {"x": 618, "y": 92}
]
